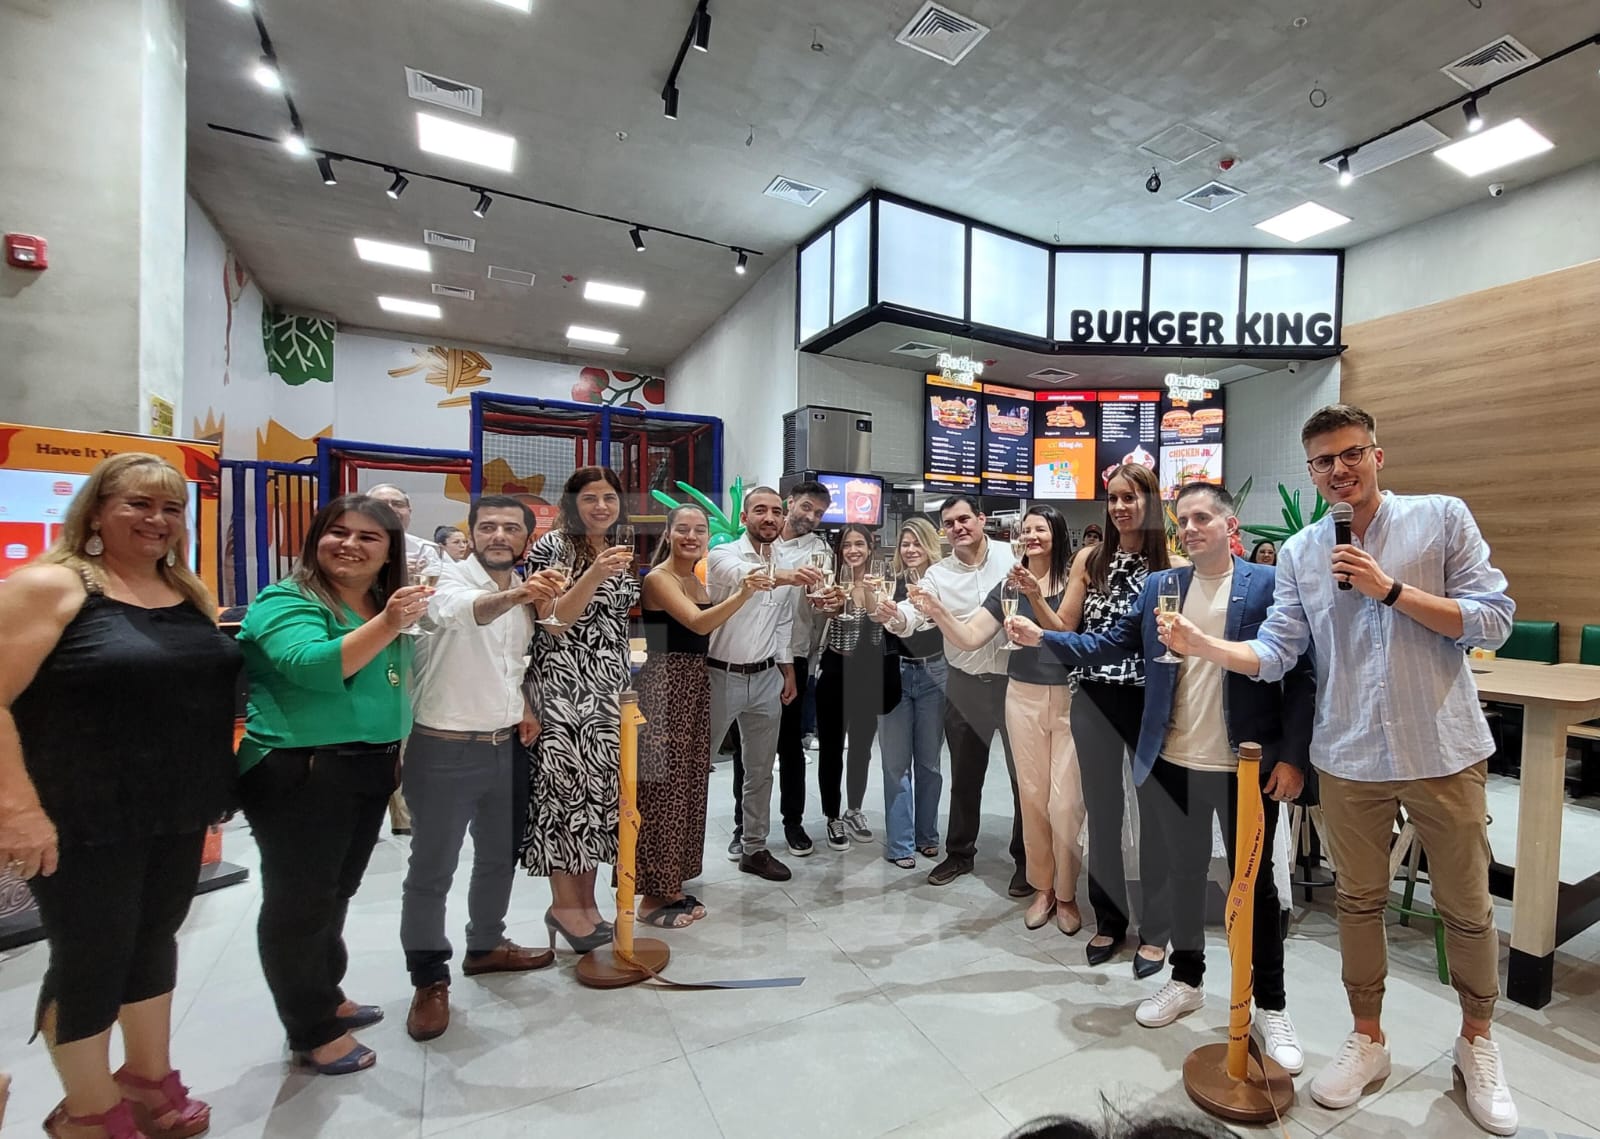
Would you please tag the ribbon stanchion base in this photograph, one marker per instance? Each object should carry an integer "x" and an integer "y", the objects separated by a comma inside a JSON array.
[
  {"x": 603, "y": 968},
  {"x": 1266, "y": 1093}
]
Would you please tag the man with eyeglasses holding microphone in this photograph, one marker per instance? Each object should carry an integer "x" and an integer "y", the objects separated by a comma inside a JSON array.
[{"x": 1387, "y": 614}]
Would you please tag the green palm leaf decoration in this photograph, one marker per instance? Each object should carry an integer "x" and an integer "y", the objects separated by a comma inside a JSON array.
[
  {"x": 724, "y": 527},
  {"x": 1294, "y": 519}
]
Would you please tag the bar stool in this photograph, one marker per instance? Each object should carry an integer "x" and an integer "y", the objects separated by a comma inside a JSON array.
[{"x": 1407, "y": 849}]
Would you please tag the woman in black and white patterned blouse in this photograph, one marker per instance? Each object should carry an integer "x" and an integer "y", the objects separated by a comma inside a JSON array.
[{"x": 1103, "y": 585}]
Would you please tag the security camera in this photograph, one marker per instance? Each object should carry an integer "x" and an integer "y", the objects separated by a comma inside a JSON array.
[
  {"x": 1294, "y": 367},
  {"x": 1497, "y": 189},
  {"x": 1153, "y": 183}
]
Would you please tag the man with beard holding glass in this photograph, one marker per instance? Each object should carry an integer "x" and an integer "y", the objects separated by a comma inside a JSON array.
[
  {"x": 752, "y": 674},
  {"x": 467, "y": 705}
]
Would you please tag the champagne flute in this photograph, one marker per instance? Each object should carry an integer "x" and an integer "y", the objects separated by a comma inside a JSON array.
[
  {"x": 823, "y": 564},
  {"x": 1010, "y": 598},
  {"x": 564, "y": 565},
  {"x": 764, "y": 556},
  {"x": 1168, "y": 599},
  {"x": 625, "y": 536},
  {"x": 420, "y": 572},
  {"x": 1019, "y": 550}
]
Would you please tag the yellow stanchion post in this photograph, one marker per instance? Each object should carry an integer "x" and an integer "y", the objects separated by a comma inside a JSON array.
[
  {"x": 627, "y": 960},
  {"x": 1234, "y": 1080}
]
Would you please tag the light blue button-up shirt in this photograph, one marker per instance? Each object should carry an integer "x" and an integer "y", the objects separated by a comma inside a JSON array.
[{"x": 1395, "y": 700}]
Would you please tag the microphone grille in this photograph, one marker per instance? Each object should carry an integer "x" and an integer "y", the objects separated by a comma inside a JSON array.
[{"x": 1342, "y": 512}]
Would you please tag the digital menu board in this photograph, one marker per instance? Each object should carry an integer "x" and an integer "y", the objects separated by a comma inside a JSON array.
[
  {"x": 1187, "y": 463},
  {"x": 1129, "y": 431},
  {"x": 1065, "y": 425},
  {"x": 952, "y": 447},
  {"x": 1007, "y": 441},
  {"x": 1187, "y": 421}
]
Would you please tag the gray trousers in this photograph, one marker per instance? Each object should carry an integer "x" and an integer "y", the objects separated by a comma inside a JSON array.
[
  {"x": 452, "y": 786},
  {"x": 756, "y": 702}
]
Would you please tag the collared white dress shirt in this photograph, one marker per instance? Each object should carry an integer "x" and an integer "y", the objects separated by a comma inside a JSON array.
[
  {"x": 963, "y": 589},
  {"x": 469, "y": 676},
  {"x": 763, "y": 627},
  {"x": 1395, "y": 700}
]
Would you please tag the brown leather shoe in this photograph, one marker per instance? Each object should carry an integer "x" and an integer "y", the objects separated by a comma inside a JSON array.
[
  {"x": 507, "y": 957},
  {"x": 430, "y": 1011}
]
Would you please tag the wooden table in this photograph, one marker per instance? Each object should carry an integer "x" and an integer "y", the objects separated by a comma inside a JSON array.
[{"x": 1544, "y": 910}]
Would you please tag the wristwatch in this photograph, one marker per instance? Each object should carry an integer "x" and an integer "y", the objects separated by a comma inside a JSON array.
[{"x": 1394, "y": 593}]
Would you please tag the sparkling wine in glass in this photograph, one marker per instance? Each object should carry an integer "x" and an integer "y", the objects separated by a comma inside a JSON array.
[
  {"x": 1019, "y": 550},
  {"x": 1010, "y": 598},
  {"x": 823, "y": 564},
  {"x": 626, "y": 536},
  {"x": 1168, "y": 600},
  {"x": 563, "y": 566}
]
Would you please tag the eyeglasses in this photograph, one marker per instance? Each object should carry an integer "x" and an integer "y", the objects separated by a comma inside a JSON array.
[{"x": 1350, "y": 457}]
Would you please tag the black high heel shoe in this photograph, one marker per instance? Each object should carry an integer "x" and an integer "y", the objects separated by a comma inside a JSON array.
[
  {"x": 1100, "y": 954},
  {"x": 1145, "y": 967},
  {"x": 580, "y": 944}
]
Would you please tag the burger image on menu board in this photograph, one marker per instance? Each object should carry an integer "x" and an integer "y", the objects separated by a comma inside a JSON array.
[
  {"x": 1209, "y": 417},
  {"x": 956, "y": 414},
  {"x": 1175, "y": 419},
  {"x": 1190, "y": 430}
]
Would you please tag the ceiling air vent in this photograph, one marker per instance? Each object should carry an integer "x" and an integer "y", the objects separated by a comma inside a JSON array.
[
  {"x": 442, "y": 92},
  {"x": 455, "y": 291},
  {"x": 1417, "y": 138},
  {"x": 510, "y": 276},
  {"x": 1212, "y": 196},
  {"x": 1177, "y": 144},
  {"x": 1490, "y": 63},
  {"x": 918, "y": 349},
  {"x": 449, "y": 240},
  {"x": 941, "y": 33},
  {"x": 585, "y": 347},
  {"x": 793, "y": 192},
  {"x": 1052, "y": 375}
]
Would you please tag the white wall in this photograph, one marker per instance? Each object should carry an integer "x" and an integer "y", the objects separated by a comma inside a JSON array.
[
  {"x": 1534, "y": 229},
  {"x": 1265, "y": 414},
  {"x": 163, "y": 162},
  {"x": 743, "y": 369},
  {"x": 892, "y": 395}
]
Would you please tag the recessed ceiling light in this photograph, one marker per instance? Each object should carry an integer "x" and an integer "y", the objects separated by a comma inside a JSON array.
[
  {"x": 612, "y": 294},
  {"x": 387, "y": 253},
  {"x": 1306, "y": 220},
  {"x": 519, "y": 5},
  {"x": 468, "y": 144},
  {"x": 1511, "y": 141},
  {"x": 592, "y": 335},
  {"x": 408, "y": 308}
]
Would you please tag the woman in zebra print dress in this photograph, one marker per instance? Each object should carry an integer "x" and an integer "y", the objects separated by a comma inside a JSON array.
[{"x": 575, "y": 673}]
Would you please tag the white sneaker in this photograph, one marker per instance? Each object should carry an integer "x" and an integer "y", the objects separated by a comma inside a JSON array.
[
  {"x": 1275, "y": 1032},
  {"x": 1488, "y": 1097},
  {"x": 1172, "y": 1000},
  {"x": 1359, "y": 1064}
]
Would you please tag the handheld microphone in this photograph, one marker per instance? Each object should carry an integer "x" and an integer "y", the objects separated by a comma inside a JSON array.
[{"x": 1342, "y": 514}]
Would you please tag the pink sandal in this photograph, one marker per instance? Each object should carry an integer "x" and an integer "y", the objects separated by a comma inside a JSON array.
[
  {"x": 190, "y": 1116},
  {"x": 117, "y": 1122}
]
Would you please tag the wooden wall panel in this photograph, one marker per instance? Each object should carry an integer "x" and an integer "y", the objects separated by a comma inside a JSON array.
[{"x": 1495, "y": 397}]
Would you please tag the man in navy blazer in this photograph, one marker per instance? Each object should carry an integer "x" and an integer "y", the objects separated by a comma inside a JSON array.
[{"x": 1195, "y": 717}]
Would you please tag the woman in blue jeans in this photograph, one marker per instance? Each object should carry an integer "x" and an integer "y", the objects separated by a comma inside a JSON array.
[{"x": 911, "y": 735}]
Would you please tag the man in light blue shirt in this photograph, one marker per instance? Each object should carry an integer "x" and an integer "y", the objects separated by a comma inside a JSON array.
[{"x": 1388, "y": 618}]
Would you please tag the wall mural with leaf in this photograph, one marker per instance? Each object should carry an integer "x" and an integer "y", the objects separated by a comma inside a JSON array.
[{"x": 299, "y": 348}]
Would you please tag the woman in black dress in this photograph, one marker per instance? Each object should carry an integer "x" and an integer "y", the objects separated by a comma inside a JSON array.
[
  {"x": 116, "y": 753},
  {"x": 576, "y": 672},
  {"x": 675, "y": 698}
]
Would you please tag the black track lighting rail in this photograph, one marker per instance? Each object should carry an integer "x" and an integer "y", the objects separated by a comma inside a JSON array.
[
  {"x": 1459, "y": 100},
  {"x": 480, "y": 189},
  {"x": 700, "y": 19}
]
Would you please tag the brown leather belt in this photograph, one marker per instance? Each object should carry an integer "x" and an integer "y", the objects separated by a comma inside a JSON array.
[
  {"x": 498, "y": 737},
  {"x": 740, "y": 669}
]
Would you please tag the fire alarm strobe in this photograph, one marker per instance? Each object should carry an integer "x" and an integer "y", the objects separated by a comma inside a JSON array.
[{"x": 24, "y": 251}]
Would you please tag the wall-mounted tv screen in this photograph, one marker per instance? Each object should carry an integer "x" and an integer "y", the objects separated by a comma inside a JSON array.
[{"x": 856, "y": 498}]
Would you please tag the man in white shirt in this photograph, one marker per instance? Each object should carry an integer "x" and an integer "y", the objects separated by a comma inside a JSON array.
[
  {"x": 752, "y": 675},
  {"x": 808, "y": 501},
  {"x": 467, "y": 705},
  {"x": 975, "y": 695},
  {"x": 423, "y": 559}
]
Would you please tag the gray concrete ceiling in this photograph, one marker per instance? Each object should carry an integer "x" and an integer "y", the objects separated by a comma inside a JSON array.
[{"x": 1036, "y": 130}]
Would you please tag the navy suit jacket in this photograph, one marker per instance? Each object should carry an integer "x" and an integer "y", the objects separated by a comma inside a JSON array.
[{"x": 1276, "y": 716}]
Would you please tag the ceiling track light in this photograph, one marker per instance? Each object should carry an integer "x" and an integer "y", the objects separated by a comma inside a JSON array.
[
  {"x": 669, "y": 99},
  {"x": 398, "y": 186},
  {"x": 295, "y": 143},
  {"x": 1474, "y": 119},
  {"x": 484, "y": 202},
  {"x": 743, "y": 262},
  {"x": 702, "y": 28},
  {"x": 1345, "y": 177},
  {"x": 637, "y": 235},
  {"x": 267, "y": 75},
  {"x": 325, "y": 168}
]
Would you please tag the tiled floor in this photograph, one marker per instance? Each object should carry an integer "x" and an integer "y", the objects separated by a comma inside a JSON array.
[{"x": 924, "y": 1012}]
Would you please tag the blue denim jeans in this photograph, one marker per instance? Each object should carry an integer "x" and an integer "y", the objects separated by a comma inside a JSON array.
[{"x": 910, "y": 738}]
